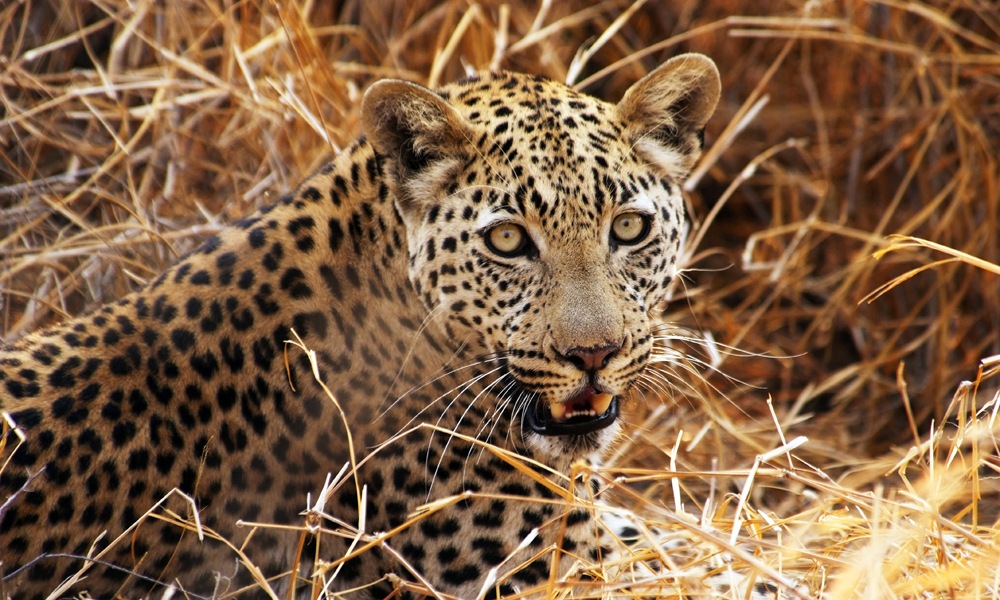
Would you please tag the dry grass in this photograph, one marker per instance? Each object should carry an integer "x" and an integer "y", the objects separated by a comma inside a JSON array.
[{"x": 132, "y": 130}]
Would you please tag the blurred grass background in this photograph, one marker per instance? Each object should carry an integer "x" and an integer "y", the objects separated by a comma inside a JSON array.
[{"x": 130, "y": 131}]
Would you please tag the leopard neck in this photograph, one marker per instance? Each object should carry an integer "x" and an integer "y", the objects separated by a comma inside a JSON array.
[
  {"x": 325, "y": 265},
  {"x": 334, "y": 252}
]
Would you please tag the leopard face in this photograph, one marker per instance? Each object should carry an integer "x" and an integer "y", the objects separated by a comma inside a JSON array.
[
  {"x": 483, "y": 263},
  {"x": 544, "y": 224}
]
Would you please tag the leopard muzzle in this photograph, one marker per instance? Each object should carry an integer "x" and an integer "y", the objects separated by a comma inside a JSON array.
[{"x": 589, "y": 411}]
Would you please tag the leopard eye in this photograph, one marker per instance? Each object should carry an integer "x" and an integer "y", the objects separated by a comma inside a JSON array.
[
  {"x": 507, "y": 239},
  {"x": 630, "y": 228}
]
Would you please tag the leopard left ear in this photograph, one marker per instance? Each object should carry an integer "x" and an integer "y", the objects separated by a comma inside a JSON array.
[
  {"x": 665, "y": 112},
  {"x": 421, "y": 136}
]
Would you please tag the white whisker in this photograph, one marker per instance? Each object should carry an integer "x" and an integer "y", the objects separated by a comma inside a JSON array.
[{"x": 458, "y": 423}]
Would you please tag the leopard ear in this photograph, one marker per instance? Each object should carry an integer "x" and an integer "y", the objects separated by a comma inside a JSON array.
[
  {"x": 665, "y": 112},
  {"x": 422, "y": 137}
]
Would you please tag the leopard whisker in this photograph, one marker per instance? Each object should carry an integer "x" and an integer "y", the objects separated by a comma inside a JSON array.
[
  {"x": 447, "y": 444},
  {"x": 502, "y": 403},
  {"x": 513, "y": 385},
  {"x": 485, "y": 359},
  {"x": 410, "y": 347},
  {"x": 493, "y": 419},
  {"x": 458, "y": 390}
]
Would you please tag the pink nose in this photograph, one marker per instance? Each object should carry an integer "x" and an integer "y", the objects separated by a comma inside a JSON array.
[{"x": 593, "y": 358}]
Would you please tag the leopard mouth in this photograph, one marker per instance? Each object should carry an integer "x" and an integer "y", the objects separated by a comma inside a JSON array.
[{"x": 584, "y": 413}]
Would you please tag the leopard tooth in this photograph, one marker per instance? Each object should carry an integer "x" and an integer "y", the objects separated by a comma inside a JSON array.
[
  {"x": 558, "y": 410},
  {"x": 600, "y": 403}
]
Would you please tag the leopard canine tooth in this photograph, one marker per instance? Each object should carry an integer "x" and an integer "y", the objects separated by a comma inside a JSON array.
[
  {"x": 600, "y": 403},
  {"x": 558, "y": 410}
]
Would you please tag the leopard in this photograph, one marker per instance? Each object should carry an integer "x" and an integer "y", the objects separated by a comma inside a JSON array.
[{"x": 443, "y": 322}]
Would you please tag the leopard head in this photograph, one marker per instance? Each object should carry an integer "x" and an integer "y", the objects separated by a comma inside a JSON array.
[{"x": 543, "y": 224}]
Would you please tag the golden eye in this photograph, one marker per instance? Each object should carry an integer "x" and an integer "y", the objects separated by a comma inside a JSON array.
[
  {"x": 630, "y": 228},
  {"x": 507, "y": 239}
]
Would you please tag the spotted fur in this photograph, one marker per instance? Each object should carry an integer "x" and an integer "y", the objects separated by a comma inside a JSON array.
[{"x": 381, "y": 263}]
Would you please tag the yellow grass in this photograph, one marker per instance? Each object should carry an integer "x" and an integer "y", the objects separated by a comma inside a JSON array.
[{"x": 826, "y": 415}]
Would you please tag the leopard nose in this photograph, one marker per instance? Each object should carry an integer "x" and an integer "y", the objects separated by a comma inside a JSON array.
[{"x": 593, "y": 358}]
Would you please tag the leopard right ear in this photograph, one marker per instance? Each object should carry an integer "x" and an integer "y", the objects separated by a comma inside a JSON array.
[
  {"x": 665, "y": 112},
  {"x": 422, "y": 137}
]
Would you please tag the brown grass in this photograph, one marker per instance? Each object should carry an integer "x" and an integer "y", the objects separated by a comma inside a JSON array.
[{"x": 132, "y": 130}]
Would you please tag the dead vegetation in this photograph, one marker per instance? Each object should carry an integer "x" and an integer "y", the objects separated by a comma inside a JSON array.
[{"x": 842, "y": 438}]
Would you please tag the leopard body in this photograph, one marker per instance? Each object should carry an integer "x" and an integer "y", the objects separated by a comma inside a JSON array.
[{"x": 482, "y": 261}]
